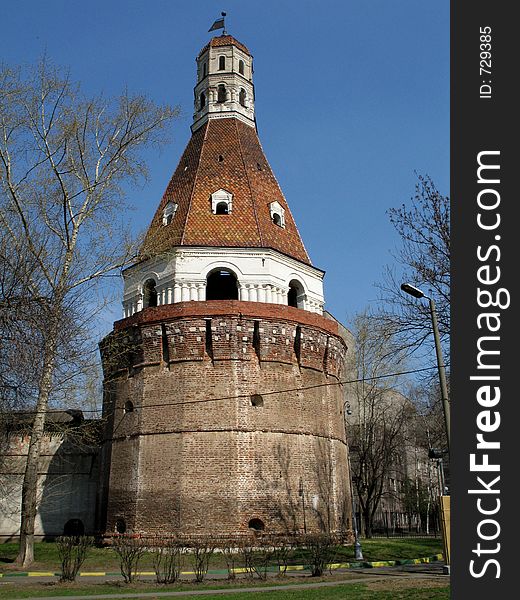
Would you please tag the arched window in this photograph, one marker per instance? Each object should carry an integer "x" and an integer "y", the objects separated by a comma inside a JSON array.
[
  {"x": 277, "y": 219},
  {"x": 221, "y": 284},
  {"x": 222, "y": 208},
  {"x": 149, "y": 293},
  {"x": 296, "y": 294},
  {"x": 221, "y": 63},
  {"x": 242, "y": 97},
  {"x": 241, "y": 67},
  {"x": 204, "y": 69},
  {"x": 221, "y": 93},
  {"x": 74, "y": 528},
  {"x": 202, "y": 102},
  {"x": 129, "y": 407}
]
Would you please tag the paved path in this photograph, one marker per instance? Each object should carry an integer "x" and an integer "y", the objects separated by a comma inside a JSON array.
[{"x": 417, "y": 572}]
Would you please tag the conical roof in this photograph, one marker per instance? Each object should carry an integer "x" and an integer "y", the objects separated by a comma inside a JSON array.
[{"x": 224, "y": 154}]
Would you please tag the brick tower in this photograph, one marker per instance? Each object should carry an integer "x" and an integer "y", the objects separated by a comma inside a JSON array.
[{"x": 223, "y": 407}]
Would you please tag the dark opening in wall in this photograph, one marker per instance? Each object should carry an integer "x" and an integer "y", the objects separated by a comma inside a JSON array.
[
  {"x": 209, "y": 339},
  {"x": 149, "y": 293},
  {"x": 256, "y": 524},
  {"x": 257, "y": 400},
  {"x": 221, "y": 93},
  {"x": 164, "y": 345},
  {"x": 298, "y": 342},
  {"x": 74, "y": 527},
  {"x": 295, "y": 294},
  {"x": 256, "y": 338},
  {"x": 129, "y": 407},
  {"x": 222, "y": 285},
  {"x": 121, "y": 526}
]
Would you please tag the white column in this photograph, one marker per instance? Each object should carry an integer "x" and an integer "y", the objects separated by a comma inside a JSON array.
[
  {"x": 176, "y": 292},
  {"x": 170, "y": 295},
  {"x": 253, "y": 294},
  {"x": 193, "y": 292},
  {"x": 185, "y": 293},
  {"x": 269, "y": 294},
  {"x": 261, "y": 293},
  {"x": 201, "y": 291}
]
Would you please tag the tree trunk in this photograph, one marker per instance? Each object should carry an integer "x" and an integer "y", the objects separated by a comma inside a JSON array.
[{"x": 30, "y": 482}]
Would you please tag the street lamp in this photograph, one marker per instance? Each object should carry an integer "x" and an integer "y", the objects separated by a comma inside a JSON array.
[
  {"x": 417, "y": 293},
  {"x": 358, "y": 551},
  {"x": 443, "y": 500}
]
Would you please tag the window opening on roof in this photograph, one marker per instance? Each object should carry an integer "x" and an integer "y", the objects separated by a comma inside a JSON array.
[
  {"x": 169, "y": 211},
  {"x": 222, "y": 208},
  {"x": 277, "y": 213}
]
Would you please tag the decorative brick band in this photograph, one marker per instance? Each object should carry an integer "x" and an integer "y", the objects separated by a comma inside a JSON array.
[{"x": 221, "y": 308}]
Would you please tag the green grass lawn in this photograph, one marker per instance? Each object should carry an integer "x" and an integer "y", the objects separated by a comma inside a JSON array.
[
  {"x": 340, "y": 592},
  {"x": 105, "y": 559}
]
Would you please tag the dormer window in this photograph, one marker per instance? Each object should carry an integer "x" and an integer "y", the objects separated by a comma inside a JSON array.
[
  {"x": 221, "y": 93},
  {"x": 277, "y": 213},
  {"x": 221, "y": 202},
  {"x": 241, "y": 67},
  {"x": 169, "y": 212},
  {"x": 221, "y": 63},
  {"x": 242, "y": 97}
]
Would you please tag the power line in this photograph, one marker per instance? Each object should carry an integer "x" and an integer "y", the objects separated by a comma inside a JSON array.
[{"x": 245, "y": 395}]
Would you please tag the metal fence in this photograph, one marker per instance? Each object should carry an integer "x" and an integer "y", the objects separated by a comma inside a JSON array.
[{"x": 402, "y": 524}]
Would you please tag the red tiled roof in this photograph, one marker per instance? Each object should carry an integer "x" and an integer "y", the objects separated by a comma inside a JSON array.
[
  {"x": 243, "y": 171},
  {"x": 224, "y": 40}
]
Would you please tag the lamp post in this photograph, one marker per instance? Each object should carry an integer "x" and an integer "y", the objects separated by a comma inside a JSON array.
[
  {"x": 417, "y": 293},
  {"x": 444, "y": 504},
  {"x": 358, "y": 551}
]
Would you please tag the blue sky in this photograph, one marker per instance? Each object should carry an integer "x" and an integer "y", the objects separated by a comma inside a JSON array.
[{"x": 352, "y": 97}]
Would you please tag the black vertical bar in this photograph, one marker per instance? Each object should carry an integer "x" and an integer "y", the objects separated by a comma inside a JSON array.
[{"x": 484, "y": 123}]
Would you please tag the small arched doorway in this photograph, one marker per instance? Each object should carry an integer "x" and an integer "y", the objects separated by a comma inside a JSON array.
[
  {"x": 149, "y": 293},
  {"x": 296, "y": 294},
  {"x": 221, "y": 284},
  {"x": 73, "y": 528}
]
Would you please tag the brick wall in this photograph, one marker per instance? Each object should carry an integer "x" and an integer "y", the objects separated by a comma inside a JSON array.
[{"x": 196, "y": 454}]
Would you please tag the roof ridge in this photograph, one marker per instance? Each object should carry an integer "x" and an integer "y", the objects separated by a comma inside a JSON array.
[
  {"x": 188, "y": 210},
  {"x": 253, "y": 202}
]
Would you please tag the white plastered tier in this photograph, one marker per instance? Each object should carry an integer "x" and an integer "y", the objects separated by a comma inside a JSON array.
[{"x": 263, "y": 275}]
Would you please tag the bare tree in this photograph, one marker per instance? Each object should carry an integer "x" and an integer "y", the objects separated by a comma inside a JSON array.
[
  {"x": 65, "y": 163},
  {"x": 424, "y": 261},
  {"x": 380, "y": 413}
]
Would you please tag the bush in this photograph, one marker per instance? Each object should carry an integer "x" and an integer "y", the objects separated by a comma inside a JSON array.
[
  {"x": 72, "y": 550},
  {"x": 168, "y": 559},
  {"x": 130, "y": 549},
  {"x": 202, "y": 549},
  {"x": 321, "y": 549}
]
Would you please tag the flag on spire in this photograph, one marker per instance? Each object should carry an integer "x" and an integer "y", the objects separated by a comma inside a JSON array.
[{"x": 218, "y": 24}]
